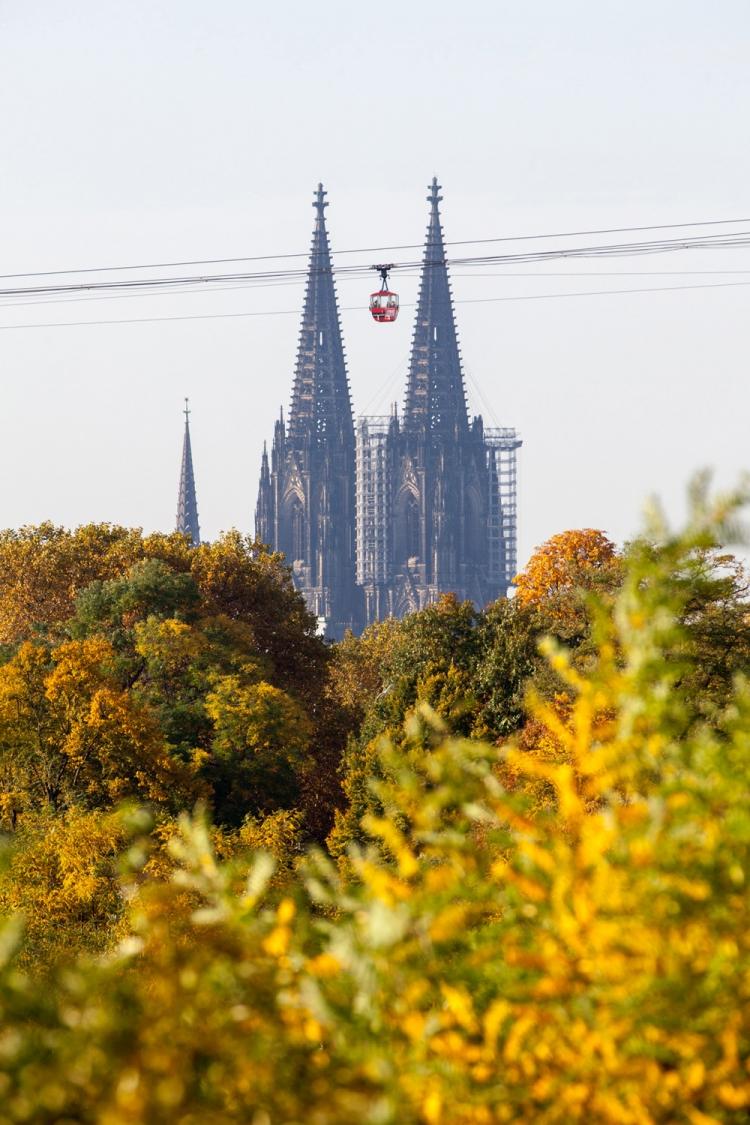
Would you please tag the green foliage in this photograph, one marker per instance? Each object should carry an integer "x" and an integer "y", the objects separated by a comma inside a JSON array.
[
  {"x": 259, "y": 736},
  {"x": 552, "y": 930},
  {"x": 471, "y": 668},
  {"x": 507, "y": 660},
  {"x": 149, "y": 589},
  {"x": 69, "y": 735},
  {"x": 159, "y": 672}
]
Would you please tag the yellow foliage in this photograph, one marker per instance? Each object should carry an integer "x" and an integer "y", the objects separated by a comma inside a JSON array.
[
  {"x": 61, "y": 876},
  {"x": 549, "y": 932},
  {"x": 42, "y": 569},
  {"x": 67, "y": 732}
]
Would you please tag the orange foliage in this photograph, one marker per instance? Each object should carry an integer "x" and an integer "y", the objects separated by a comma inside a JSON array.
[{"x": 567, "y": 562}]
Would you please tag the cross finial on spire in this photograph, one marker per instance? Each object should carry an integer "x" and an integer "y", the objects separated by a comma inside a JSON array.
[
  {"x": 186, "y": 411},
  {"x": 320, "y": 202},
  {"x": 433, "y": 197}
]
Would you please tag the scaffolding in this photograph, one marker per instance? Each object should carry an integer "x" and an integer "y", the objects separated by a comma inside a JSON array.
[
  {"x": 373, "y": 500},
  {"x": 501, "y": 446}
]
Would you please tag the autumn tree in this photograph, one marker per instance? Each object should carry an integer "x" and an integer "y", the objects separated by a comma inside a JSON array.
[
  {"x": 561, "y": 569},
  {"x": 142, "y": 659},
  {"x": 239, "y": 580},
  {"x": 44, "y": 568},
  {"x": 426, "y": 657},
  {"x": 61, "y": 875},
  {"x": 573, "y": 947},
  {"x": 358, "y": 667},
  {"x": 70, "y": 735},
  {"x": 259, "y": 739}
]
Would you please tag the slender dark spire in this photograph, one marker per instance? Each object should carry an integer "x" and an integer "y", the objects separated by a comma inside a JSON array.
[
  {"x": 321, "y": 403},
  {"x": 435, "y": 394},
  {"x": 187, "y": 502}
]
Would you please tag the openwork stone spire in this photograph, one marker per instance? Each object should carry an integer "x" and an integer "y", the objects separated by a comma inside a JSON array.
[
  {"x": 435, "y": 394},
  {"x": 321, "y": 402},
  {"x": 187, "y": 502},
  {"x": 305, "y": 502}
]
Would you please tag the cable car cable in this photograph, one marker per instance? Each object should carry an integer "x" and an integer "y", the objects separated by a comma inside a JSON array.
[
  {"x": 704, "y": 242},
  {"x": 614, "y": 250},
  {"x": 371, "y": 249},
  {"x": 13, "y": 304},
  {"x": 363, "y": 308}
]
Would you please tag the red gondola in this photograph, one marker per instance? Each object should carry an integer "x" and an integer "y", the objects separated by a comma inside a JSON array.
[{"x": 384, "y": 303}]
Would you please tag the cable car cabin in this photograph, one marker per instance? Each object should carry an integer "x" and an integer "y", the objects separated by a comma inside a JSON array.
[{"x": 384, "y": 305}]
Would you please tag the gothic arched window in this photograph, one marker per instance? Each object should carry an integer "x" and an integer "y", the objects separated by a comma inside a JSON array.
[
  {"x": 408, "y": 539},
  {"x": 298, "y": 530},
  {"x": 474, "y": 536}
]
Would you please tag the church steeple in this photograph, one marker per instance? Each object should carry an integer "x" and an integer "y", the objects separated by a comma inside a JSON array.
[
  {"x": 321, "y": 402},
  {"x": 435, "y": 394},
  {"x": 187, "y": 502},
  {"x": 305, "y": 502}
]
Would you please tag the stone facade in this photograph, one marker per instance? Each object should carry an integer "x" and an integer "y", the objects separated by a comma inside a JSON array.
[
  {"x": 306, "y": 497},
  {"x": 435, "y": 493}
]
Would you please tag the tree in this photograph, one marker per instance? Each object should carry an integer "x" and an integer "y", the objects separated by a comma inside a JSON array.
[
  {"x": 260, "y": 740},
  {"x": 69, "y": 735},
  {"x": 62, "y": 877},
  {"x": 382, "y": 675},
  {"x": 714, "y": 644},
  {"x": 44, "y": 568},
  {"x": 571, "y": 949},
  {"x": 240, "y": 580},
  {"x": 507, "y": 661},
  {"x": 358, "y": 666},
  {"x": 561, "y": 568},
  {"x": 118, "y": 647}
]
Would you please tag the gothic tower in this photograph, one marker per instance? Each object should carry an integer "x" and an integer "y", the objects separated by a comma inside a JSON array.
[
  {"x": 435, "y": 493},
  {"x": 187, "y": 502},
  {"x": 439, "y": 502},
  {"x": 306, "y": 495}
]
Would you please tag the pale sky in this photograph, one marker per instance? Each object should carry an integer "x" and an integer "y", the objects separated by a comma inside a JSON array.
[{"x": 161, "y": 130}]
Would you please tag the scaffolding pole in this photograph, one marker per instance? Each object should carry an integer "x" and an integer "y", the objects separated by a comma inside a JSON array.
[
  {"x": 373, "y": 501},
  {"x": 501, "y": 447}
]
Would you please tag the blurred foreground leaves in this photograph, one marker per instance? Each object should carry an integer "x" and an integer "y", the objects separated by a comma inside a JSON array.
[{"x": 548, "y": 928}]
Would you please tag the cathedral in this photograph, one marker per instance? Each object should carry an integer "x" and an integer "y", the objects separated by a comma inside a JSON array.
[{"x": 380, "y": 520}]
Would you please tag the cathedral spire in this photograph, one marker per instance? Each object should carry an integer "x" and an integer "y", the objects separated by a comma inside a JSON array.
[
  {"x": 305, "y": 505},
  {"x": 435, "y": 394},
  {"x": 321, "y": 403},
  {"x": 187, "y": 502}
]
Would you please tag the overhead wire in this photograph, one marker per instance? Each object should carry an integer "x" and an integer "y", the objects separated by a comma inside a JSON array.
[
  {"x": 602, "y": 292},
  {"x": 180, "y": 285},
  {"x": 374, "y": 249},
  {"x": 362, "y": 308},
  {"x": 179, "y": 292},
  {"x": 610, "y": 250}
]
